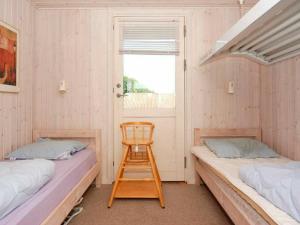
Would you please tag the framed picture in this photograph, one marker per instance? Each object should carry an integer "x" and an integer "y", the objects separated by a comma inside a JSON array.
[{"x": 9, "y": 81}]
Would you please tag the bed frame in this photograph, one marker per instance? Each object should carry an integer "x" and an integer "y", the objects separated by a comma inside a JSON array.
[
  {"x": 58, "y": 215},
  {"x": 240, "y": 207}
]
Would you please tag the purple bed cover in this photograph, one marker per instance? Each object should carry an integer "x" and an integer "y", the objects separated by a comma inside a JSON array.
[{"x": 67, "y": 174}]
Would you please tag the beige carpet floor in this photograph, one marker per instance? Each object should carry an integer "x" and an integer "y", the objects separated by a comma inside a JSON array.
[{"x": 185, "y": 205}]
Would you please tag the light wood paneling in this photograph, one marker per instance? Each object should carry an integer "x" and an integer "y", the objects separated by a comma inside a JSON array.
[
  {"x": 208, "y": 103},
  {"x": 212, "y": 106},
  {"x": 75, "y": 45},
  {"x": 71, "y": 46},
  {"x": 16, "y": 108},
  {"x": 280, "y": 110}
]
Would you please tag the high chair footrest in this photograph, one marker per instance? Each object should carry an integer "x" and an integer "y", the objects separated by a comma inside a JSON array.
[
  {"x": 136, "y": 189},
  {"x": 136, "y": 179},
  {"x": 131, "y": 167},
  {"x": 136, "y": 161}
]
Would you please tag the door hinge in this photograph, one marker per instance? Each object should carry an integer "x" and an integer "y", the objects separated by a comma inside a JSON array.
[
  {"x": 113, "y": 163},
  {"x": 113, "y": 90},
  {"x": 184, "y": 65},
  {"x": 113, "y": 27},
  {"x": 184, "y": 30},
  {"x": 184, "y": 162}
]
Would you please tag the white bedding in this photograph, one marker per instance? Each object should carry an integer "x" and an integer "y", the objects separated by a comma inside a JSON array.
[
  {"x": 19, "y": 180},
  {"x": 280, "y": 184},
  {"x": 229, "y": 168}
]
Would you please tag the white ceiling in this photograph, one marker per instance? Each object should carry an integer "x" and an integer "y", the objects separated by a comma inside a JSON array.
[{"x": 123, "y": 3}]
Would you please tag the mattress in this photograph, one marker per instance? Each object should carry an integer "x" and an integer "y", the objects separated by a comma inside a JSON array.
[
  {"x": 20, "y": 180},
  {"x": 229, "y": 168},
  {"x": 67, "y": 174}
]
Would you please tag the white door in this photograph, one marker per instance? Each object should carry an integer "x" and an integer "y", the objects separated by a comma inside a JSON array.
[{"x": 149, "y": 86}]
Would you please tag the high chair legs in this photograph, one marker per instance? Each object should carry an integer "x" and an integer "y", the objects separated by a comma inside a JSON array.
[
  {"x": 119, "y": 175},
  {"x": 141, "y": 187},
  {"x": 156, "y": 176}
]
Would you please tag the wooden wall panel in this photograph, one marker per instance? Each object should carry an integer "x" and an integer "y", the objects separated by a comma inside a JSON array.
[
  {"x": 208, "y": 103},
  {"x": 71, "y": 46},
  {"x": 280, "y": 110},
  {"x": 75, "y": 45},
  {"x": 212, "y": 106},
  {"x": 16, "y": 109}
]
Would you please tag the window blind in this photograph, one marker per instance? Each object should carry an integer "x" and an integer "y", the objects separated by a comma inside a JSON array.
[{"x": 156, "y": 38}]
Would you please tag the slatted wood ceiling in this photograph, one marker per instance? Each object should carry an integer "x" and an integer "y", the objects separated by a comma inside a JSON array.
[{"x": 131, "y": 3}]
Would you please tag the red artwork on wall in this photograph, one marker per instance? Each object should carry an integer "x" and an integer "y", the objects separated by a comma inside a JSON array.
[{"x": 8, "y": 58}]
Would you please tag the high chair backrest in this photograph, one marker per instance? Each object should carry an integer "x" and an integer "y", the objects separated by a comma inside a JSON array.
[{"x": 137, "y": 133}]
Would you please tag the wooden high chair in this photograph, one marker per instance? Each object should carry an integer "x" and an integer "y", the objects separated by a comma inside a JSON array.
[{"x": 137, "y": 139}]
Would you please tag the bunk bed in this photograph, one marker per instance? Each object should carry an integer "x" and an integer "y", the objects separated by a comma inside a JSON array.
[
  {"x": 242, "y": 203},
  {"x": 53, "y": 202},
  {"x": 268, "y": 33}
]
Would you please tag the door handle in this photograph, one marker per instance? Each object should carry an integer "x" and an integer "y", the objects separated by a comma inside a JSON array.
[{"x": 119, "y": 95}]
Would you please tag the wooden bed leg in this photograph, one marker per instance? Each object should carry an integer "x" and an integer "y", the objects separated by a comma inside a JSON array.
[
  {"x": 198, "y": 179},
  {"x": 98, "y": 181}
]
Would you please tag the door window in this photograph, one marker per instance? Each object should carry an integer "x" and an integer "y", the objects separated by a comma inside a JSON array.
[{"x": 149, "y": 81}]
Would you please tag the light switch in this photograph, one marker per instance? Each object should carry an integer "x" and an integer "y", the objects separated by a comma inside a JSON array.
[{"x": 230, "y": 87}]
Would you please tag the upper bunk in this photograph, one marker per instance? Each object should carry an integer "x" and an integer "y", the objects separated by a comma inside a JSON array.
[{"x": 268, "y": 33}]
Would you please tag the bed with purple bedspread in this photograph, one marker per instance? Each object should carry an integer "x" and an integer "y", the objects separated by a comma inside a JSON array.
[{"x": 67, "y": 175}]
